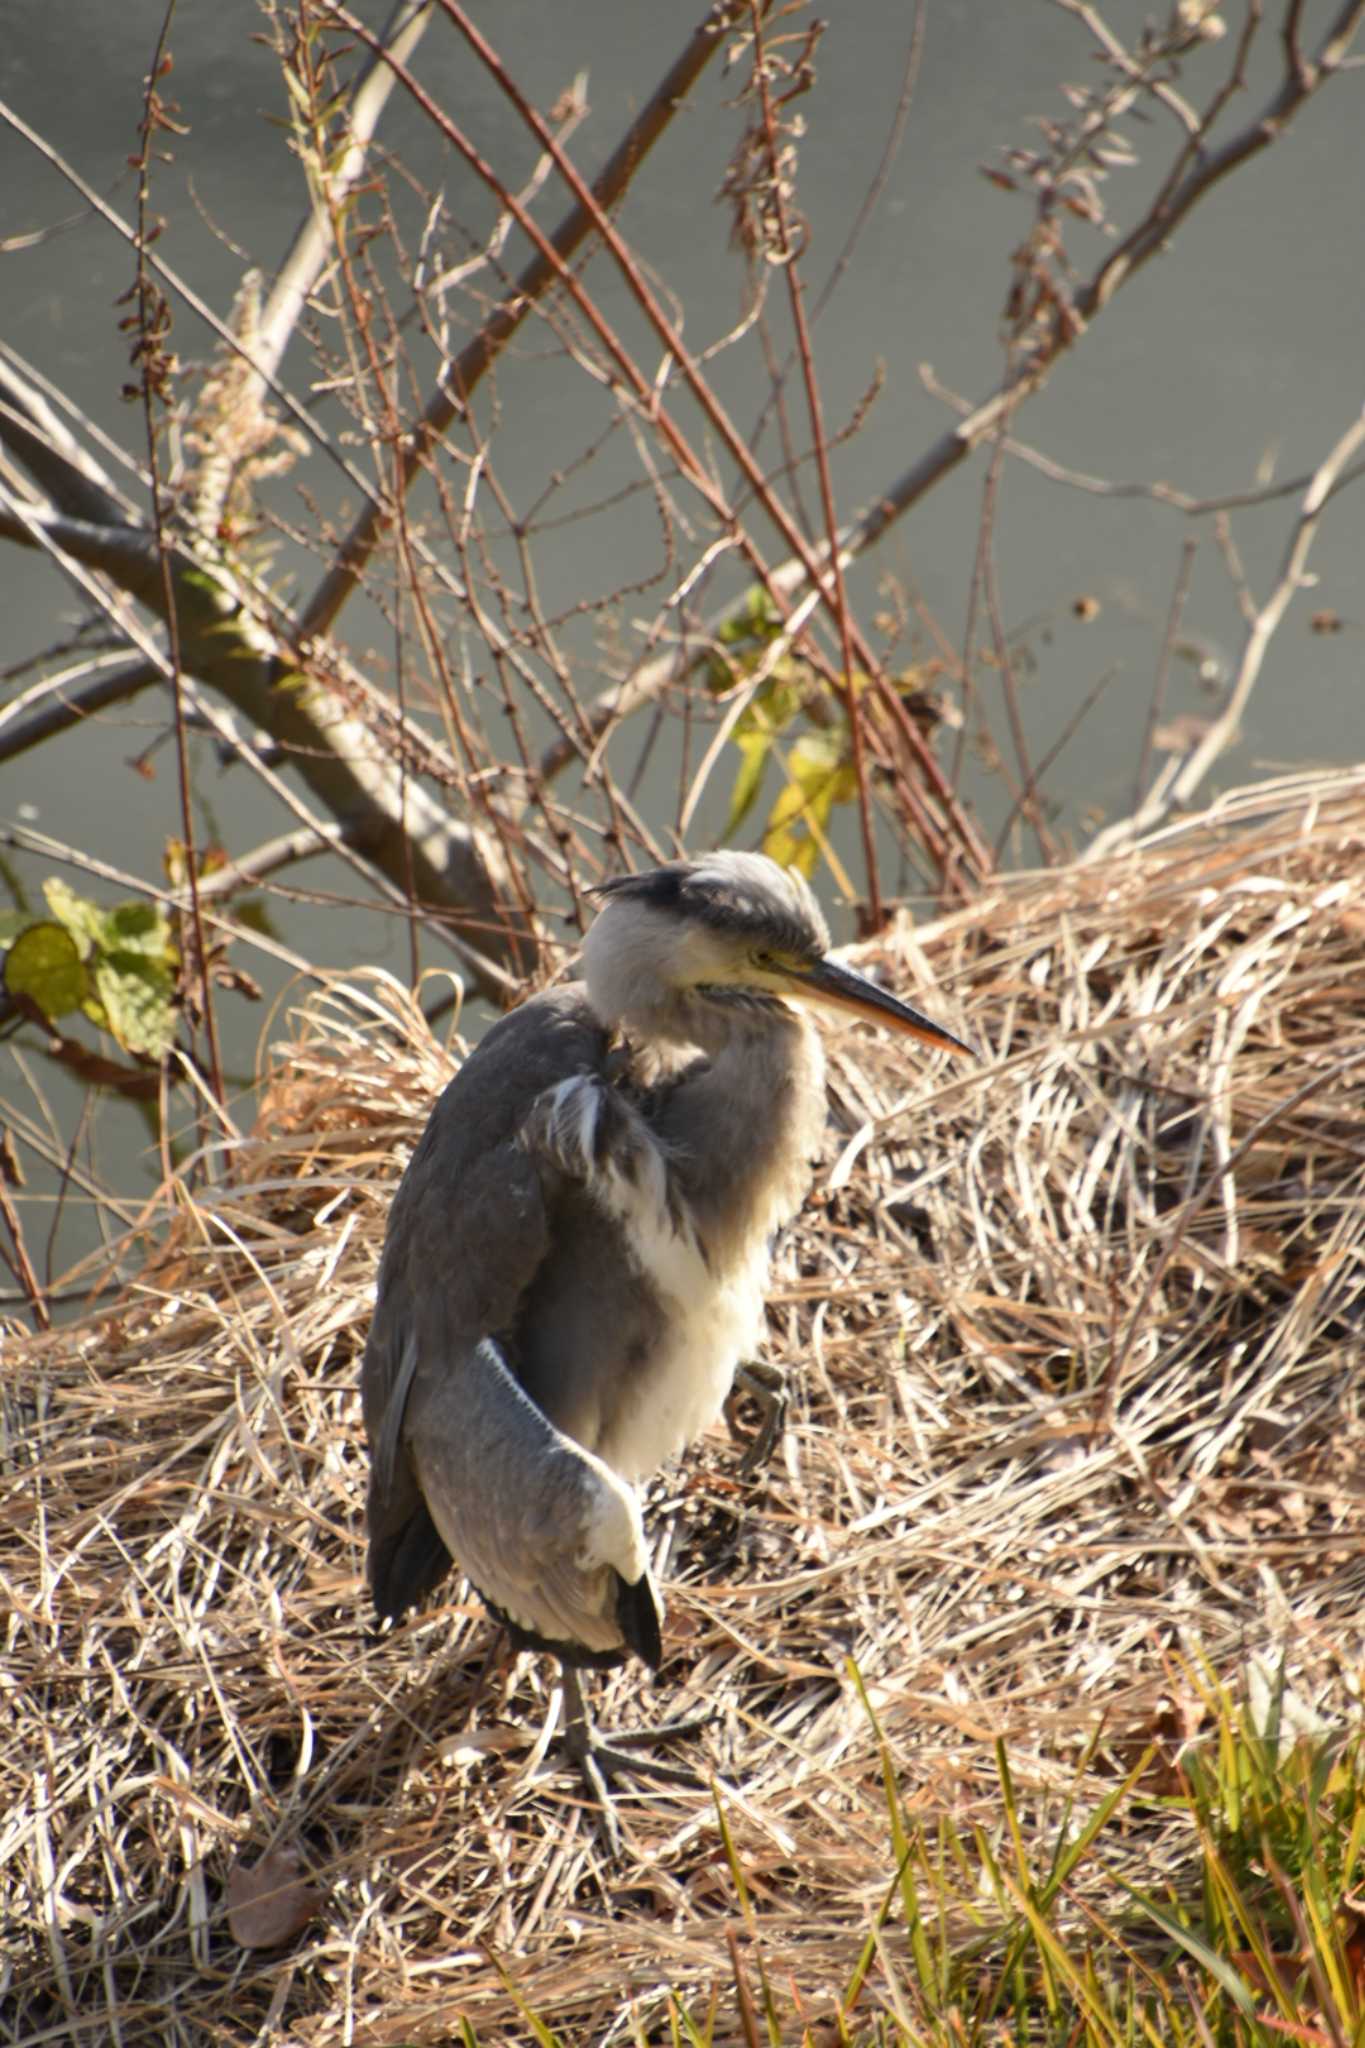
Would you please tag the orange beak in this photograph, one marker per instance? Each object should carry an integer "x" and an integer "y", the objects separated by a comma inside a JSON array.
[{"x": 842, "y": 989}]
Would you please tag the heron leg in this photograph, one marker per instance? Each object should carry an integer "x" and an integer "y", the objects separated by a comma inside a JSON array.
[
  {"x": 600, "y": 1760},
  {"x": 766, "y": 1385}
]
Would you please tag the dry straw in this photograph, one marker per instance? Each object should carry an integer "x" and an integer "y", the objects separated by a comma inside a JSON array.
[{"x": 1077, "y": 1341}]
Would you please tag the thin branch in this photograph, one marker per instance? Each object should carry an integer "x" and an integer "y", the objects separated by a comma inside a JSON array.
[
  {"x": 172, "y": 279},
  {"x": 791, "y": 263},
  {"x": 936, "y": 836},
  {"x": 1109, "y": 487},
  {"x": 1029, "y": 800},
  {"x": 51, "y": 454},
  {"x": 460, "y": 378},
  {"x": 311, "y": 248},
  {"x": 236, "y": 346},
  {"x": 870, "y": 202},
  {"x": 1178, "y": 789},
  {"x": 350, "y": 844},
  {"x": 149, "y": 354},
  {"x": 249, "y": 870},
  {"x": 1163, "y": 669},
  {"x": 21, "y": 1264},
  {"x": 1063, "y": 740},
  {"x": 1209, "y": 167},
  {"x": 65, "y": 707},
  {"x": 343, "y": 759},
  {"x": 984, "y": 420},
  {"x": 1224, "y": 727},
  {"x": 1146, "y": 241},
  {"x": 40, "y": 396}
]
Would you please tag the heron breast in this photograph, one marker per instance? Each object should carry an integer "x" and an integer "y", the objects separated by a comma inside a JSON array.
[{"x": 709, "y": 1322}]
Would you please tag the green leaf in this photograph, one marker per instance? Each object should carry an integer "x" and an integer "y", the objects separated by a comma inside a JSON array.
[
  {"x": 819, "y": 775},
  {"x": 139, "y": 928},
  {"x": 755, "y": 617},
  {"x": 253, "y": 913},
  {"x": 82, "y": 918},
  {"x": 138, "y": 994},
  {"x": 45, "y": 964},
  {"x": 753, "y": 759}
]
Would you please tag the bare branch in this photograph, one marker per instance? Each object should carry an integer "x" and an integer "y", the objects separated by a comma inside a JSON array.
[
  {"x": 66, "y": 708},
  {"x": 949, "y": 838},
  {"x": 459, "y": 872},
  {"x": 451, "y": 397},
  {"x": 285, "y": 850},
  {"x": 311, "y": 248},
  {"x": 1168, "y": 642},
  {"x": 1207, "y": 168},
  {"x": 1178, "y": 788},
  {"x": 1112, "y": 487},
  {"x": 170, "y": 277},
  {"x": 789, "y": 255},
  {"x": 68, "y": 474},
  {"x": 985, "y": 420}
]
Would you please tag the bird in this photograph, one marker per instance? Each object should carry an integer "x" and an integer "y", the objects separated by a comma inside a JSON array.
[{"x": 576, "y": 1258}]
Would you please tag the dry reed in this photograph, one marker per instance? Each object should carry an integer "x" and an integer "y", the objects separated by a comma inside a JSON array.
[{"x": 1077, "y": 1341}]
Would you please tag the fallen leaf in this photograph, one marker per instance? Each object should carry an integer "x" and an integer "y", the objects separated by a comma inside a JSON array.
[{"x": 270, "y": 1901}]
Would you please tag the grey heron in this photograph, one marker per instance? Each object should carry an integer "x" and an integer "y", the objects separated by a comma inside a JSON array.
[{"x": 577, "y": 1256}]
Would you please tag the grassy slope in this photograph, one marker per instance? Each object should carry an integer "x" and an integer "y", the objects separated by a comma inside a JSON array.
[{"x": 1033, "y": 1662}]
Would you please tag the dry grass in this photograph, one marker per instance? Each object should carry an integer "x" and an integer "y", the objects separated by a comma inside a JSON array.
[{"x": 1078, "y": 1341}]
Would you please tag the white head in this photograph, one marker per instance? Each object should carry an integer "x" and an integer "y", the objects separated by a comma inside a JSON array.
[{"x": 727, "y": 939}]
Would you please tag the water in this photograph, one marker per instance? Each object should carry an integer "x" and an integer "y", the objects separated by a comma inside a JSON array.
[{"x": 1234, "y": 357}]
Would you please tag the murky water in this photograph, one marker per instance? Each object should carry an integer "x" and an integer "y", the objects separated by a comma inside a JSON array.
[{"x": 1236, "y": 356}]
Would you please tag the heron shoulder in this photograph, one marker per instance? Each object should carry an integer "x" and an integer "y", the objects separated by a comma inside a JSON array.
[
  {"x": 468, "y": 1230},
  {"x": 530, "y": 1049}
]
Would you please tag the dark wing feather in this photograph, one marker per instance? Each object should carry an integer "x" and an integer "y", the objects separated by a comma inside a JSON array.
[{"x": 467, "y": 1234}]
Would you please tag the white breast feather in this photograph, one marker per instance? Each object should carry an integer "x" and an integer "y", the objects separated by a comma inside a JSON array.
[{"x": 713, "y": 1320}]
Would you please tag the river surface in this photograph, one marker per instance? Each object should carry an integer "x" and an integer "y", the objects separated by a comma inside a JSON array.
[{"x": 1235, "y": 358}]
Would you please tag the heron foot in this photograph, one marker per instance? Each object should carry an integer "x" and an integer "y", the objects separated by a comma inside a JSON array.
[
  {"x": 601, "y": 1759},
  {"x": 766, "y": 1385}
]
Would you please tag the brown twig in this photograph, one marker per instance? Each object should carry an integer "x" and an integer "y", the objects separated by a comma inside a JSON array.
[
  {"x": 1049, "y": 757},
  {"x": 1029, "y": 801},
  {"x": 451, "y": 398},
  {"x": 154, "y": 369},
  {"x": 790, "y": 257},
  {"x": 22, "y": 1264},
  {"x": 1163, "y": 667},
  {"x": 698, "y": 473},
  {"x": 1066, "y": 322},
  {"x": 1197, "y": 173},
  {"x": 1110, "y": 487}
]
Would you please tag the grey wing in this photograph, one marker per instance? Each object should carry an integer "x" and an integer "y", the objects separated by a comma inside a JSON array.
[
  {"x": 464, "y": 1240},
  {"x": 545, "y": 1532},
  {"x": 462, "y": 1463}
]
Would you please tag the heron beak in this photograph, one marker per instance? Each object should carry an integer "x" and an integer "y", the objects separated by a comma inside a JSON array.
[{"x": 842, "y": 989}]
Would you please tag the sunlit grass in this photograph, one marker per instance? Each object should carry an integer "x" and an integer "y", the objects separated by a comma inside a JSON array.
[{"x": 983, "y": 1941}]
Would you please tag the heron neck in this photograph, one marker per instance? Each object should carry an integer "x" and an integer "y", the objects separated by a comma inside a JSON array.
[{"x": 746, "y": 1121}]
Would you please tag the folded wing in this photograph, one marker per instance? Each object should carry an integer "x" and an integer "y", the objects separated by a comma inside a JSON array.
[
  {"x": 464, "y": 1464},
  {"x": 546, "y": 1532}
]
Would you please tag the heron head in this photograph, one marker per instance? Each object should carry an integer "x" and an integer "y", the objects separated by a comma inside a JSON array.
[{"x": 728, "y": 929}]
